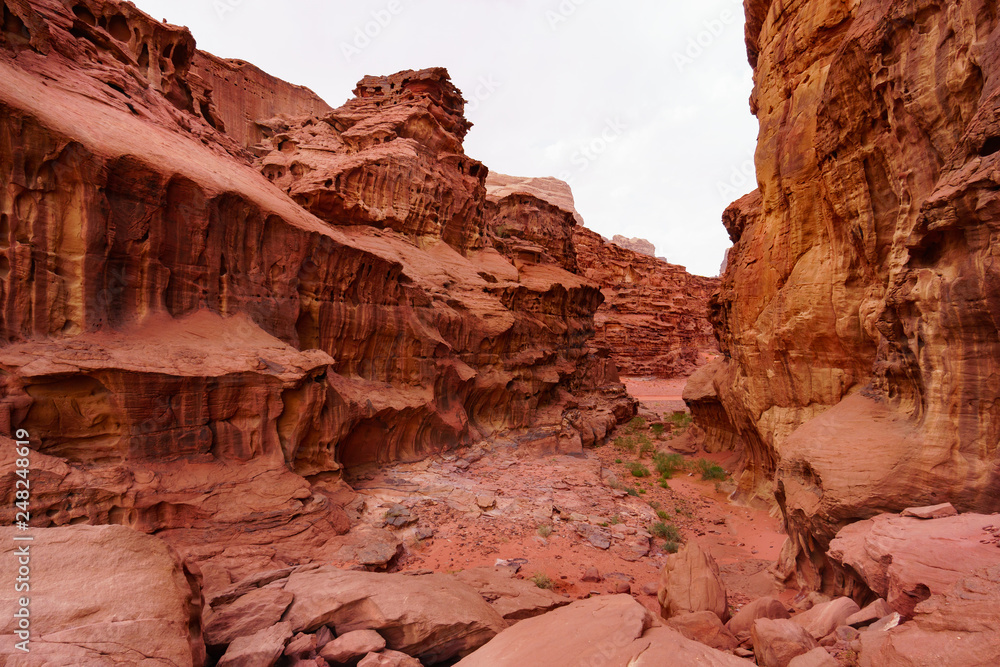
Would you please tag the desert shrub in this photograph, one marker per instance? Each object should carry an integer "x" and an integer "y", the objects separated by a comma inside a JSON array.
[
  {"x": 543, "y": 580},
  {"x": 667, "y": 464},
  {"x": 709, "y": 470},
  {"x": 544, "y": 530},
  {"x": 638, "y": 470},
  {"x": 663, "y": 515},
  {"x": 631, "y": 491},
  {"x": 681, "y": 419},
  {"x": 664, "y": 531},
  {"x": 671, "y": 547},
  {"x": 637, "y": 424}
]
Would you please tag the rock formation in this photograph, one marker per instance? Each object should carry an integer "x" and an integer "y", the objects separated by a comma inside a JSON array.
[
  {"x": 638, "y": 246},
  {"x": 858, "y": 315},
  {"x": 217, "y": 294},
  {"x": 653, "y": 319}
]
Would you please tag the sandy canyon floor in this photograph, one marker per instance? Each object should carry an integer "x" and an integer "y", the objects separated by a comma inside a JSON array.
[{"x": 555, "y": 517}]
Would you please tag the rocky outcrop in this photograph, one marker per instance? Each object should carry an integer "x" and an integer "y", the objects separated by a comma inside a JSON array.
[
  {"x": 217, "y": 294},
  {"x": 653, "y": 320},
  {"x": 636, "y": 245},
  {"x": 940, "y": 577},
  {"x": 97, "y": 595},
  {"x": 858, "y": 313},
  {"x": 605, "y": 630}
]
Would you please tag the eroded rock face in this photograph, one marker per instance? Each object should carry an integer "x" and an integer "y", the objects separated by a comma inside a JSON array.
[
  {"x": 861, "y": 287},
  {"x": 653, "y": 320},
  {"x": 101, "y": 595},
  {"x": 217, "y": 294}
]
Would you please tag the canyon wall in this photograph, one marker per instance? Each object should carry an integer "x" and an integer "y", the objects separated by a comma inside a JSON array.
[
  {"x": 653, "y": 320},
  {"x": 859, "y": 315},
  {"x": 209, "y": 316}
]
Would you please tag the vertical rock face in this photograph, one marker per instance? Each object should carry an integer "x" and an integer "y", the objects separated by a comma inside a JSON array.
[
  {"x": 207, "y": 315},
  {"x": 654, "y": 316},
  {"x": 859, "y": 314},
  {"x": 653, "y": 320}
]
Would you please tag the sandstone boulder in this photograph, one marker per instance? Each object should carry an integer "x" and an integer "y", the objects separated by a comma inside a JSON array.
[
  {"x": 257, "y": 610},
  {"x": 777, "y": 642},
  {"x": 906, "y": 560},
  {"x": 824, "y": 618},
  {"x": 389, "y": 659},
  {"x": 941, "y": 511},
  {"x": 691, "y": 582},
  {"x": 261, "y": 649},
  {"x": 606, "y": 630},
  {"x": 871, "y": 613},
  {"x": 741, "y": 623},
  {"x": 706, "y": 628},
  {"x": 514, "y": 599},
  {"x": 433, "y": 617},
  {"x": 352, "y": 646},
  {"x": 100, "y": 595},
  {"x": 818, "y": 657}
]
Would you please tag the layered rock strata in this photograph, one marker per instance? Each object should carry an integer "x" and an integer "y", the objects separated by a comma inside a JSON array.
[
  {"x": 858, "y": 315},
  {"x": 653, "y": 320},
  {"x": 209, "y": 314}
]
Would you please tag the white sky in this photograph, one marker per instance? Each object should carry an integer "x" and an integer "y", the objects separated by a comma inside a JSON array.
[{"x": 640, "y": 104}]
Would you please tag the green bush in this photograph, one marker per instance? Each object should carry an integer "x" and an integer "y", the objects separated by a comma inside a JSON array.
[
  {"x": 544, "y": 530},
  {"x": 631, "y": 491},
  {"x": 663, "y": 515},
  {"x": 671, "y": 547},
  {"x": 681, "y": 420},
  {"x": 663, "y": 484},
  {"x": 665, "y": 532},
  {"x": 638, "y": 470},
  {"x": 667, "y": 464},
  {"x": 658, "y": 429},
  {"x": 543, "y": 580},
  {"x": 710, "y": 471},
  {"x": 637, "y": 424}
]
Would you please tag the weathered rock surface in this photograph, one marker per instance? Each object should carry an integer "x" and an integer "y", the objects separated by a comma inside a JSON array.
[
  {"x": 261, "y": 649},
  {"x": 514, "y": 599},
  {"x": 636, "y": 245},
  {"x": 941, "y": 574},
  {"x": 654, "y": 318},
  {"x": 858, "y": 312},
  {"x": 607, "y": 630},
  {"x": 101, "y": 596},
  {"x": 822, "y": 619},
  {"x": 742, "y": 621},
  {"x": 432, "y": 617},
  {"x": 906, "y": 560},
  {"x": 777, "y": 642},
  {"x": 352, "y": 646},
  {"x": 217, "y": 293},
  {"x": 257, "y": 610},
  {"x": 706, "y": 628},
  {"x": 691, "y": 582},
  {"x": 818, "y": 657}
]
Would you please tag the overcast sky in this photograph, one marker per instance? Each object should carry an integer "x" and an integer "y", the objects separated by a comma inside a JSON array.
[{"x": 641, "y": 105}]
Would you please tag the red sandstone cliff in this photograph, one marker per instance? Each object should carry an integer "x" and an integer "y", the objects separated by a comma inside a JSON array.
[
  {"x": 653, "y": 321},
  {"x": 217, "y": 293},
  {"x": 859, "y": 313}
]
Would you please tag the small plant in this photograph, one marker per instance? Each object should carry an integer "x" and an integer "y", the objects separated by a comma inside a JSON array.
[
  {"x": 623, "y": 443},
  {"x": 658, "y": 430},
  {"x": 638, "y": 470},
  {"x": 665, "y": 532},
  {"x": 637, "y": 424},
  {"x": 671, "y": 547},
  {"x": 615, "y": 520},
  {"x": 643, "y": 491},
  {"x": 663, "y": 515},
  {"x": 667, "y": 464},
  {"x": 543, "y": 581},
  {"x": 544, "y": 530},
  {"x": 709, "y": 470},
  {"x": 655, "y": 505},
  {"x": 663, "y": 484},
  {"x": 681, "y": 420},
  {"x": 618, "y": 460},
  {"x": 631, "y": 491},
  {"x": 646, "y": 447}
]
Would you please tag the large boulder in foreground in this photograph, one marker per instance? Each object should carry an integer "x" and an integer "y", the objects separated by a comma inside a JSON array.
[
  {"x": 690, "y": 582},
  {"x": 100, "y": 595},
  {"x": 609, "y": 631},
  {"x": 941, "y": 574},
  {"x": 432, "y": 617},
  {"x": 906, "y": 560}
]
